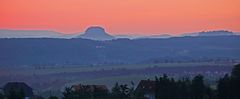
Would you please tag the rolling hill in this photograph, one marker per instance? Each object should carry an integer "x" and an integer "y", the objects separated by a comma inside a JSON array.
[{"x": 77, "y": 51}]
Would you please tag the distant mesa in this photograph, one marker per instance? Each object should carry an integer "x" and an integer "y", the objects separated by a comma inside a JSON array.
[
  {"x": 29, "y": 34},
  {"x": 96, "y": 33}
]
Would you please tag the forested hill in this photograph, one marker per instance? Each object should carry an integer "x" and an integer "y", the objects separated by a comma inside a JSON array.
[{"x": 50, "y": 51}]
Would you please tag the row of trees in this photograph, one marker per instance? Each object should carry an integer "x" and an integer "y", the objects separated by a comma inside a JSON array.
[
  {"x": 168, "y": 88},
  {"x": 119, "y": 91},
  {"x": 228, "y": 87}
]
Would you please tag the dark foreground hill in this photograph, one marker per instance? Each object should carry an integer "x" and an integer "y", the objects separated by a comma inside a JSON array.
[{"x": 43, "y": 51}]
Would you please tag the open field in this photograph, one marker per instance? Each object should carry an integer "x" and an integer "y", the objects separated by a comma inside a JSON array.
[{"x": 44, "y": 70}]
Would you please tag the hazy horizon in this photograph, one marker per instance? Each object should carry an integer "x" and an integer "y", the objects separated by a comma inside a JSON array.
[
  {"x": 116, "y": 34},
  {"x": 138, "y": 17}
]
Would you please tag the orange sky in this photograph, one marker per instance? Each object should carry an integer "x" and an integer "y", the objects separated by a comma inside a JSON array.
[{"x": 121, "y": 16}]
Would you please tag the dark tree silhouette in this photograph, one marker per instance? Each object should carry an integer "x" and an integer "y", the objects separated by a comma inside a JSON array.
[
  {"x": 223, "y": 87},
  {"x": 235, "y": 82},
  {"x": 236, "y": 72},
  {"x": 53, "y": 97},
  {"x": 229, "y": 87},
  {"x": 197, "y": 87},
  {"x": 2, "y": 96},
  {"x": 15, "y": 94},
  {"x": 122, "y": 92}
]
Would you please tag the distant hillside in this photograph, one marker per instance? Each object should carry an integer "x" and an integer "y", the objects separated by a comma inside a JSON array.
[
  {"x": 211, "y": 33},
  {"x": 216, "y": 33},
  {"x": 29, "y": 34},
  {"x": 96, "y": 33},
  {"x": 99, "y": 34},
  {"x": 121, "y": 51},
  {"x": 156, "y": 36}
]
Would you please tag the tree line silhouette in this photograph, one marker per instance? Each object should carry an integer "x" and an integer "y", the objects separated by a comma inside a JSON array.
[{"x": 227, "y": 87}]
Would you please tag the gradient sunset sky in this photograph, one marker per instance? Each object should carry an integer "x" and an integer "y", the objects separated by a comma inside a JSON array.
[{"x": 140, "y": 17}]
